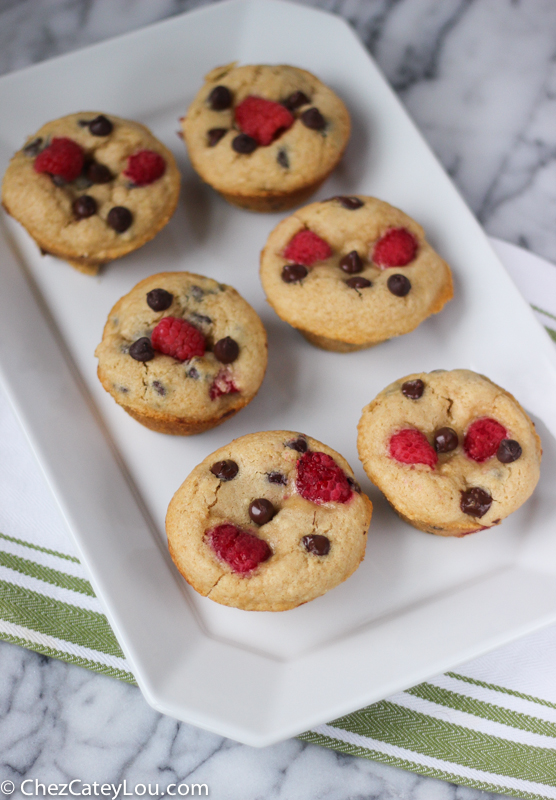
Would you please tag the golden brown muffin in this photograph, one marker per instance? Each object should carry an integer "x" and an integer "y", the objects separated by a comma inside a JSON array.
[
  {"x": 265, "y": 137},
  {"x": 90, "y": 188},
  {"x": 351, "y": 272},
  {"x": 182, "y": 353},
  {"x": 268, "y": 522},
  {"x": 453, "y": 452}
]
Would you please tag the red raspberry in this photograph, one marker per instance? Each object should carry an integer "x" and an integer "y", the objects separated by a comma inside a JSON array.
[
  {"x": 242, "y": 551},
  {"x": 307, "y": 248},
  {"x": 262, "y": 119},
  {"x": 145, "y": 167},
  {"x": 320, "y": 479},
  {"x": 62, "y": 157},
  {"x": 179, "y": 338},
  {"x": 395, "y": 249},
  {"x": 222, "y": 384},
  {"x": 483, "y": 438},
  {"x": 410, "y": 446}
]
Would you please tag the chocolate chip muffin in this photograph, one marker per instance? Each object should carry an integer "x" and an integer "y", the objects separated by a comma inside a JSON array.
[
  {"x": 182, "y": 353},
  {"x": 453, "y": 452},
  {"x": 265, "y": 137},
  {"x": 351, "y": 272},
  {"x": 268, "y": 522},
  {"x": 90, "y": 188}
]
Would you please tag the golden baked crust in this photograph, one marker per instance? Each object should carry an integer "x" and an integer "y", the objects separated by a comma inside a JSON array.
[
  {"x": 45, "y": 209},
  {"x": 172, "y": 396},
  {"x": 292, "y": 575},
  {"x": 330, "y": 313},
  {"x": 430, "y": 498},
  {"x": 259, "y": 181}
]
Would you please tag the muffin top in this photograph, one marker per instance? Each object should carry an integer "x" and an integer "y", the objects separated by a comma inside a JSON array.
[
  {"x": 452, "y": 451},
  {"x": 354, "y": 269},
  {"x": 270, "y": 521},
  {"x": 184, "y": 346},
  {"x": 260, "y": 128},
  {"x": 91, "y": 186}
]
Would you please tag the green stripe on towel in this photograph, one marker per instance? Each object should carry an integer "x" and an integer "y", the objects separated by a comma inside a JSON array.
[
  {"x": 65, "y": 655},
  {"x": 415, "y": 766},
  {"x": 54, "y": 618},
  {"x": 40, "y": 549},
  {"x": 47, "y": 574},
  {"x": 483, "y": 710},
  {"x": 412, "y": 730}
]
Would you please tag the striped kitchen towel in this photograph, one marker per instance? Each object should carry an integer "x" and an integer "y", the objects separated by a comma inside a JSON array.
[{"x": 489, "y": 724}]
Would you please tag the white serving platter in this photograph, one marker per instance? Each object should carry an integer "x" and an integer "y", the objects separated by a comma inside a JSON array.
[{"x": 419, "y": 604}]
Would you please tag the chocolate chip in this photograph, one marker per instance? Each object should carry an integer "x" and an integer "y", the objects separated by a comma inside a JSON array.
[
  {"x": 277, "y": 477},
  {"x": 226, "y": 350},
  {"x": 475, "y": 502},
  {"x": 142, "y": 349},
  {"x": 220, "y": 98},
  {"x": 351, "y": 203},
  {"x": 413, "y": 389},
  {"x": 313, "y": 119},
  {"x": 159, "y": 299},
  {"x": 197, "y": 293},
  {"x": 295, "y": 100},
  {"x": 316, "y": 544},
  {"x": 57, "y": 180},
  {"x": 399, "y": 285},
  {"x": 292, "y": 273},
  {"x": 299, "y": 444},
  {"x": 119, "y": 218},
  {"x": 193, "y": 373},
  {"x": 100, "y": 126},
  {"x": 98, "y": 173},
  {"x": 445, "y": 440},
  {"x": 159, "y": 388},
  {"x": 282, "y": 159},
  {"x": 84, "y": 206},
  {"x": 244, "y": 144},
  {"x": 352, "y": 263},
  {"x": 225, "y": 470},
  {"x": 358, "y": 282},
  {"x": 508, "y": 451},
  {"x": 214, "y": 136},
  {"x": 33, "y": 148},
  {"x": 261, "y": 511}
]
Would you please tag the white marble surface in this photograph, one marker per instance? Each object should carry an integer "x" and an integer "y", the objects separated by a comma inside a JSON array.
[{"x": 479, "y": 79}]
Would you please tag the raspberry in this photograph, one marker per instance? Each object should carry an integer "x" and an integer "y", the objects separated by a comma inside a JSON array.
[
  {"x": 178, "y": 338},
  {"x": 62, "y": 157},
  {"x": 320, "y": 479},
  {"x": 262, "y": 119},
  {"x": 395, "y": 249},
  {"x": 145, "y": 167},
  {"x": 483, "y": 438},
  {"x": 410, "y": 446},
  {"x": 306, "y": 248},
  {"x": 222, "y": 384},
  {"x": 242, "y": 551}
]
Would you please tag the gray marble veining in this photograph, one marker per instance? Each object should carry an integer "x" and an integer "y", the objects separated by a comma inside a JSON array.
[{"x": 479, "y": 79}]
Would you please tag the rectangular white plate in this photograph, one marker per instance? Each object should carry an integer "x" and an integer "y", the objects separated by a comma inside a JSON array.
[{"x": 418, "y": 604}]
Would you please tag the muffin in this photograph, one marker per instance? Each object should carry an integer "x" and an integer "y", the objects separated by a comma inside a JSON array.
[
  {"x": 268, "y": 522},
  {"x": 453, "y": 452},
  {"x": 182, "y": 353},
  {"x": 90, "y": 188},
  {"x": 351, "y": 272},
  {"x": 263, "y": 136}
]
